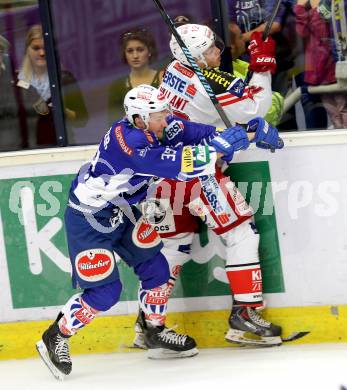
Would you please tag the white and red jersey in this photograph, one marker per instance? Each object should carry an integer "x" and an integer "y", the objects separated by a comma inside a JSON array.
[{"x": 241, "y": 103}]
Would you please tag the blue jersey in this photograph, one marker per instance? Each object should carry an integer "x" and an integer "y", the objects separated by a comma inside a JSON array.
[{"x": 129, "y": 159}]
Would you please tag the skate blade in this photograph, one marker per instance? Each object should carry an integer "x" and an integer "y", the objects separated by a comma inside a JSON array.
[
  {"x": 42, "y": 350},
  {"x": 162, "y": 353},
  {"x": 252, "y": 340}
]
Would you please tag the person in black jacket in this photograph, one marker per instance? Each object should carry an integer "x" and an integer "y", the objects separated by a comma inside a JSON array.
[{"x": 35, "y": 95}]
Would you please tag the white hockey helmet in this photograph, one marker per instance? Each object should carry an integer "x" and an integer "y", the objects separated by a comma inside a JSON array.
[
  {"x": 197, "y": 37},
  {"x": 142, "y": 101}
]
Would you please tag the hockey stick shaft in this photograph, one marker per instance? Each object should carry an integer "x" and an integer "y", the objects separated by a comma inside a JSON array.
[
  {"x": 339, "y": 28},
  {"x": 271, "y": 20},
  {"x": 193, "y": 64},
  {"x": 266, "y": 32}
]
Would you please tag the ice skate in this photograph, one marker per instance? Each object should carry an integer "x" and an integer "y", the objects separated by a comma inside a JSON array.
[
  {"x": 54, "y": 351},
  {"x": 247, "y": 327},
  {"x": 139, "y": 340},
  {"x": 162, "y": 342}
]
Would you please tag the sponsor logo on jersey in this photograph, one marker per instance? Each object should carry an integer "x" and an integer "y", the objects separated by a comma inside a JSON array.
[
  {"x": 174, "y": 81},
  {"x": 94, "y": 264},
  {"x": 214, "y": 196},
  {"x": 187, "y": 160},
  {"x": 218, "y": 77},
  {"x": 202, "y": 155},
  {"x": 191, "y": 90},
  {"x": 173, "y": 129},
  {"x": 144, "y": 235},
  {"x": 123, "y": 145},
  {"x": 237, "y": 87},
  {"x": 176, "y": 102},
  {"x": 223, "y": 218},
  {"x": 185, "y": 71},
  {"x": 154, "y": 211}
]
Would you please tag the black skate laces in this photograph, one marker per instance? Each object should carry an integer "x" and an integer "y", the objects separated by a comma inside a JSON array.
[
  {"x": 257, "y": 319},
  {"x": 168, "y": 335},
  {"x": 62, "y": 349}
]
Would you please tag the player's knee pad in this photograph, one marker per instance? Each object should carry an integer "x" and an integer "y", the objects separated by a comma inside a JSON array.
[
  {"x": 154, "y": 272},
  {"x": 242, "y": 264},
  {"x": 103, "y": 297}
]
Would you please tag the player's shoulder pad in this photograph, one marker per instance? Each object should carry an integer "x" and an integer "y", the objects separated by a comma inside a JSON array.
[{"x": 222, "y": 82}]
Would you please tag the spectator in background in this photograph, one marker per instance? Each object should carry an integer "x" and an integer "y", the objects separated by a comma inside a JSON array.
[
  {"x": 138, "y": 51},
  {"x": 10, "y": 134},
  {"x": 251, "y": 16},
  {"x": 35, "y": 95},
  {"x": 313, "y": 24}
]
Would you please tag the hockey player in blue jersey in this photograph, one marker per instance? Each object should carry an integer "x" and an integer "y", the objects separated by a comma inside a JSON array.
[{"x": 102, "y": 218}]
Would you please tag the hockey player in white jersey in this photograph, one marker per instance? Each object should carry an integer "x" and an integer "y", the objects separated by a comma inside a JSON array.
[
  {"x": 233, "y": 223},
  {"x": 101, "y": 218}
]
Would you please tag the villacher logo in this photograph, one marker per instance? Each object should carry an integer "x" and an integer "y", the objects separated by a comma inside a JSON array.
[{"x": 95, "y": 264}]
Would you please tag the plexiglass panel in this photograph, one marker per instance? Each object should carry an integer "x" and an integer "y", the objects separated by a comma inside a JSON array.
[{"x": 91, "y": 38}]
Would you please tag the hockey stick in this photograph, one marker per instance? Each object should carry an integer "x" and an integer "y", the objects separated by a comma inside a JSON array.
[
  {"x": 266, "y": 32},
  {"x": 340, "y": 36},
  {"x": 339, "y": 28}
]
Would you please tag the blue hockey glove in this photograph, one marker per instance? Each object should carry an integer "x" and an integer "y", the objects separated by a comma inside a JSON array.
[
  {"x": 230, "y": 140},
  {"x": 266, "y": 136}
]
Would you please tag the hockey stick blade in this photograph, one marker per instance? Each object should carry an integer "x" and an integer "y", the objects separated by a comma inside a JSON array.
[
  {"x": 42, "y": 350},
  {"x": 295, "y": 336}
]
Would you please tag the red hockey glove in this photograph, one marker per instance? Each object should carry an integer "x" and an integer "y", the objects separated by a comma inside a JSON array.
[{"x": 262, "y": 53}]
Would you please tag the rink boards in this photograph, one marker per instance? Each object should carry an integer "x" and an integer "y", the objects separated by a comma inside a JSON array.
[{"x": 299, "y": 195}]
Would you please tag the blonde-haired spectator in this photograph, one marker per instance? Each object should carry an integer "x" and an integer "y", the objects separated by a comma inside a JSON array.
[{"x": 34, "y": 86}]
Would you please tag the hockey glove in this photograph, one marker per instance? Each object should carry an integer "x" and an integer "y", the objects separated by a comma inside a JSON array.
[
  {"x": 266, "y": 136},
  {"x": 230, "y": 140},
  {"x": 262, "y": 53}
]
